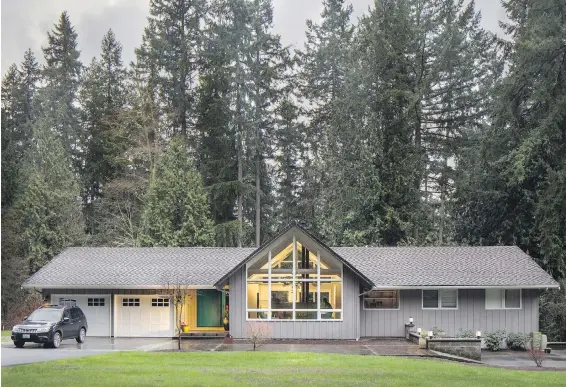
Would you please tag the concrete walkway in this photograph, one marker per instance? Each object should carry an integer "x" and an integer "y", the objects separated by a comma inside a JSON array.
[
  {"x": 521, "y": 359},
  {"x": 362, "y": 347}
]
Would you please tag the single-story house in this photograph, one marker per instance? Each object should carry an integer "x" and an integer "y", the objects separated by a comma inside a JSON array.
[{"x": 300, "y": 287}]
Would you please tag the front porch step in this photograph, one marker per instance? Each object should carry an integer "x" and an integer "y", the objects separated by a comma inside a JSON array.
[{"x": 203, "y": 335}]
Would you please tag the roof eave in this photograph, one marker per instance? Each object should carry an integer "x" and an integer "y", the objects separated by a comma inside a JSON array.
[
  {"x": 402, "y": 287},
  {"x": 128, "y": 287}
]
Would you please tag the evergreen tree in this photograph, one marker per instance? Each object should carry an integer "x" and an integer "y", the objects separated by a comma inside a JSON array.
[
  {"x": 324, "y": 66},
  {"x": 171, "y": 52},
  {"x": 512, "y": 185},
  {"x": 267, "y": 63},
  {"x": 18, "y": 112},
  {"x": 19, "y": 89},
  {"x": 233, "y": 18},
  {"x": 289, "y": 140},
  {"x": 216, "y": 152},
  {"x": 177, "y": 211},
  {"x": 62, "y": 76},
  {"x": 30, "y": 77},
  {"x": 49, "y": 216},
  {"x": 102, "y": 97},
  {"x": 118, "y": 213},
  {"x": 12, "y": 135}
]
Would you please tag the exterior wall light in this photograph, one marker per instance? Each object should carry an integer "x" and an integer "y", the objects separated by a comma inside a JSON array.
[
  {"x": 410, "y": 320},
  {"x": 478, "y": 334},
  {"x": 430, "y": 333},
  {"x": 419, "y": 330}
]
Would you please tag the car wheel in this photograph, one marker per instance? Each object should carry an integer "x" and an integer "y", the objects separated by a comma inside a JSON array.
[
  {"x": 56, "y": 340},
  {"x": 82, "y": 336},
  {"x": 19, "y": 344}
]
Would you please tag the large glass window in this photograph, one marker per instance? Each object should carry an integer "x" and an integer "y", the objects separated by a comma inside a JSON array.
[{"x": 294, "y": 283}]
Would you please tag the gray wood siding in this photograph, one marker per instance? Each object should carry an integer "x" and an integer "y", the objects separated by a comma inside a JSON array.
[
  {"x": 348, "y": 328},
  {"x": 471, "y": 314}
]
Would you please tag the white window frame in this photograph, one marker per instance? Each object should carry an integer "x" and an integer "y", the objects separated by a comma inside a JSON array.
[
  {"x": 378, "y": 309},
  {"x": 319, "y": 311},
  {"x": 502, "y": 295},
  {"x": 440, "y": 307}
]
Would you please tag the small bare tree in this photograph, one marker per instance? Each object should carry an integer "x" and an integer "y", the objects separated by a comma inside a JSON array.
[
  {"x": 178, "y": 293},
  {"x": 258, "y": 333},
  {"x": 538, "y": 355},
  {"x": 535, "y": 349}
]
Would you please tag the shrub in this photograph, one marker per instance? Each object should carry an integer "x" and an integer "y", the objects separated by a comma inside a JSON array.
[
  {"x": 436, "y": 331},
  {"x": 516, "y": 341},
  {"x": 493, "y": 340},
  {"x": 466, "y": 334}
]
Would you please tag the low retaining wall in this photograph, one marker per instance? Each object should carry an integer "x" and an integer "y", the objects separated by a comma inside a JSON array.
[
  {"x": 414, "y": 337},
  {"x": 468, "y": 348}
]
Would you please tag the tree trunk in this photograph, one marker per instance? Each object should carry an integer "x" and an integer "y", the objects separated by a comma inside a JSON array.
[
  {"x": 257, "y": 202},
  {"x": 258, "y": 149},
  {"x": 239, "y": 152}
]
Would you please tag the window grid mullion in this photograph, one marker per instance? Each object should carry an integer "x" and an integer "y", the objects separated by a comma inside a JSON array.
[
  {"x": 293, "y": 290},
  {"x": 318, "y": 313},
  {"x": 269, "y": 285}
]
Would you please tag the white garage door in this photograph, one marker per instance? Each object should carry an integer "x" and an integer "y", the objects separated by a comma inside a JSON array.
[
  {"x": 143, "y": 316},
  {"x": 96, "y": 309}
]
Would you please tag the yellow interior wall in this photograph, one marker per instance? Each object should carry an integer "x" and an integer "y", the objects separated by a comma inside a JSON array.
[{"x": 191, "y": 313}]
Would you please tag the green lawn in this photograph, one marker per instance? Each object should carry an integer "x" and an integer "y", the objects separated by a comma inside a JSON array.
[
  {"x": 6, "y": 336},
  {"x": 264, "y": 368}
]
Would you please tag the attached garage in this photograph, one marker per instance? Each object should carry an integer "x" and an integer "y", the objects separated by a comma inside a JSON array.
[
  {"x": 143, "y": 316},
  {"x": 96, "y": 309}
]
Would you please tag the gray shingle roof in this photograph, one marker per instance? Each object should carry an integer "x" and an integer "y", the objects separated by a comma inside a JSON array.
[
  {"x": 92, "y": 267},
  {"x": 137, "y": 267},
  {"x": 447, "y": 266}
]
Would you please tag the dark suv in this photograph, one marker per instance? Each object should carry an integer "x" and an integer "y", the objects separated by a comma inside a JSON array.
[{"x": 51, "y": 324}]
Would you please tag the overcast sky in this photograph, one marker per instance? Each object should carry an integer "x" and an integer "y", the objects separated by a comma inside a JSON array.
[{"x": 25, "y": 22}]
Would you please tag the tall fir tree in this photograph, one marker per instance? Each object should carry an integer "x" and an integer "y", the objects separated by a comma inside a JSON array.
[
  {"x": 216, "y": 149},
  {"x": 512, "y": 185},
  {"x": 177, "y": 212},
  {"x": 61, "y": 75},
  {"x": 267, "y": 62},
  {"x": 289, "y": 149},
  {"x": 170, "y": 52},
  {"x": 324, "y": 63},
  {"x": 103, "y": 97},
  {"x": 19, "y": 91}
]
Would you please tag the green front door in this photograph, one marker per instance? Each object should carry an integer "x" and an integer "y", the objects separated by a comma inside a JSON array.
[{"x": 209, "y": 308}]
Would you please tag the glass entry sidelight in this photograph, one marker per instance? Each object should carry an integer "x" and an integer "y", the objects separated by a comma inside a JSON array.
[{"x": 209, "y": 308}]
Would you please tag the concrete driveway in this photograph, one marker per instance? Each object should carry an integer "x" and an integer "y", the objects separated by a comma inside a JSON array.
[{"x": 33, "y": 353}]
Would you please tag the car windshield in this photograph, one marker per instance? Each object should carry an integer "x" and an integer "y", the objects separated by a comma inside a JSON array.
[{"x": 46, "y": 314}]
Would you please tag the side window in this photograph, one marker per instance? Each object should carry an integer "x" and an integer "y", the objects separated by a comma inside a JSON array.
[
  {"x": 66, "y": 314},
  {"x": 75, "y": 314}
]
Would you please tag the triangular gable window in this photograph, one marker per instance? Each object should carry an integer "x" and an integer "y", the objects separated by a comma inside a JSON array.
[{"x": 294, "y": 280}]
